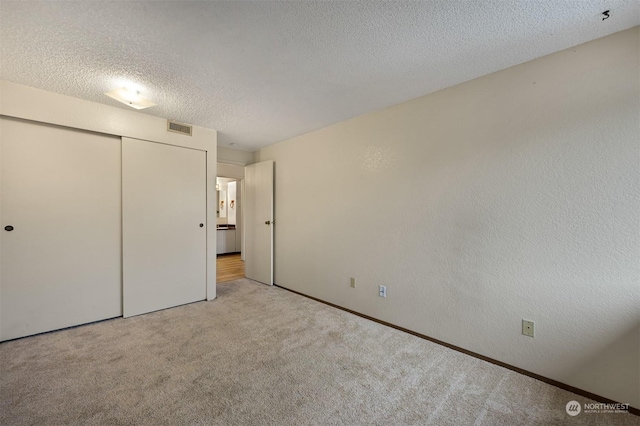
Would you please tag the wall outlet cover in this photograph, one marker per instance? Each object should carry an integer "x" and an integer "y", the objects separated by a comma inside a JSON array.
[{"x": 527, "y": 328}]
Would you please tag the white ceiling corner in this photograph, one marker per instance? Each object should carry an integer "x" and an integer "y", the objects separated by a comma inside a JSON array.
[{"x": 263, "y": 72}]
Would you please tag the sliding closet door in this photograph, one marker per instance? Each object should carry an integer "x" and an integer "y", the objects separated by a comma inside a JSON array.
[
  {"x": 60, "y": 214},
  {"x": 164, "y": 226}
]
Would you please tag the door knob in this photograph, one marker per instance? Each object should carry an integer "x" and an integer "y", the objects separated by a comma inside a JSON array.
[
  {"x": 8, "y": 228},
  {"x": 268, "y": 222}
]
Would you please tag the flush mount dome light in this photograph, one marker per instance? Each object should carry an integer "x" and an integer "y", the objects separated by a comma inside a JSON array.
[{"x": 131, "y": 98}]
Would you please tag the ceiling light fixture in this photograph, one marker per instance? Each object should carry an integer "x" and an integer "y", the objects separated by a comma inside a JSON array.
[{"x": 131, "y": 98}]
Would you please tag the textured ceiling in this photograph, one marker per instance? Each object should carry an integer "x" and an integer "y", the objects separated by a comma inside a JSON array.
[{"x": 262, "y": 72}]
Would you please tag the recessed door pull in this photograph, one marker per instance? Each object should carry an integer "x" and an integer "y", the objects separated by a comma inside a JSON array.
[
  {"x": 8, "y": 228},
  {"x": 201, "y": 225}
]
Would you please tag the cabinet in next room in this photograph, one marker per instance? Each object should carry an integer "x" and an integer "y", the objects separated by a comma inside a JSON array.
[{"x": 226, "y": 241}]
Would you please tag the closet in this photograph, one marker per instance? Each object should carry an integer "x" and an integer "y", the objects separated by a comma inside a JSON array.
[
  {"x": 164, "y": 233},
  {"x": 96, "y": 226}
]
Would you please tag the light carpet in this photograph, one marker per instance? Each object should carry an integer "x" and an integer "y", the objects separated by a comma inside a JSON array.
[{"x": 261, "y": 355}]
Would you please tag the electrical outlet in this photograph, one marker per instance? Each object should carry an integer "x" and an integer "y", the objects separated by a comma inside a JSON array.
[
  {"x": 353, "y": 283},
  {"x": 527, "y": 328},
  {"x": 383, "y": 291}
]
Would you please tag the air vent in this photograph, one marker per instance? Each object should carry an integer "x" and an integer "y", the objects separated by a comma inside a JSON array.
[{"x": 183, "y": 129}]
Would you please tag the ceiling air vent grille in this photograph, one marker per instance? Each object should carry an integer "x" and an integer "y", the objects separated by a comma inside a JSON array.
[{"x": 183, "y": 129}]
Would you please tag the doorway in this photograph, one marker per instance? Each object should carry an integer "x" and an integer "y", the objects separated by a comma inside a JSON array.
[
  {"x": 254, "y": 204},
  {"x": 229, "y": 225}
]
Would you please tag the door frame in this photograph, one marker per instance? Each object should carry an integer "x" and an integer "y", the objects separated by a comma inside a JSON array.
[
  {"x": 239, "y": 223},
  {"x": 235, "y": 170}
]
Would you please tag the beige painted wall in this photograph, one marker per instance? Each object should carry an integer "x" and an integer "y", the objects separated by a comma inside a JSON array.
[
  {"x": 34, "y": 104},
  {"x": 515, "y": 195},
  {"x": 234, "y": 156},
  {"x": 230, "y": 171}
]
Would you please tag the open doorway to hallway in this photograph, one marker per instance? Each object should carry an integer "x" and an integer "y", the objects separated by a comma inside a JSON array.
[
  {"x": 229, "y": 223},
  {"x": 229, "y": 264}
]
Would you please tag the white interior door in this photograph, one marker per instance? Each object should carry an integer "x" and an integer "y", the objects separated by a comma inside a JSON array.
[
  {"x": 258, "y": 209},
  {"x": 60, "y": 265},
  {"x": 164, "y": 226}
]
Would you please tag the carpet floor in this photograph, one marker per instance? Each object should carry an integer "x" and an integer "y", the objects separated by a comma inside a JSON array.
[{"x": 261, "y": 355}]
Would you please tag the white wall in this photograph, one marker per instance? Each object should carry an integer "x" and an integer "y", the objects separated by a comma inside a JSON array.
[
  {"x": 223, "y": 195},
  {"x": 39, "y": 105},
  {"x": 231, "y": 202},
  {"x": 515, "y": 195}
]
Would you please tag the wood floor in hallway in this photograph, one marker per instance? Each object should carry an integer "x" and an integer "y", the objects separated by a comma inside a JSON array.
[{"x": 229, "y": 267}]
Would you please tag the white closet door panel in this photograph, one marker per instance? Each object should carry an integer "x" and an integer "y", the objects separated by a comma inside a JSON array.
[
  {"x": 61, "y": 264},
  {"x": 164, "y": 247}
]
